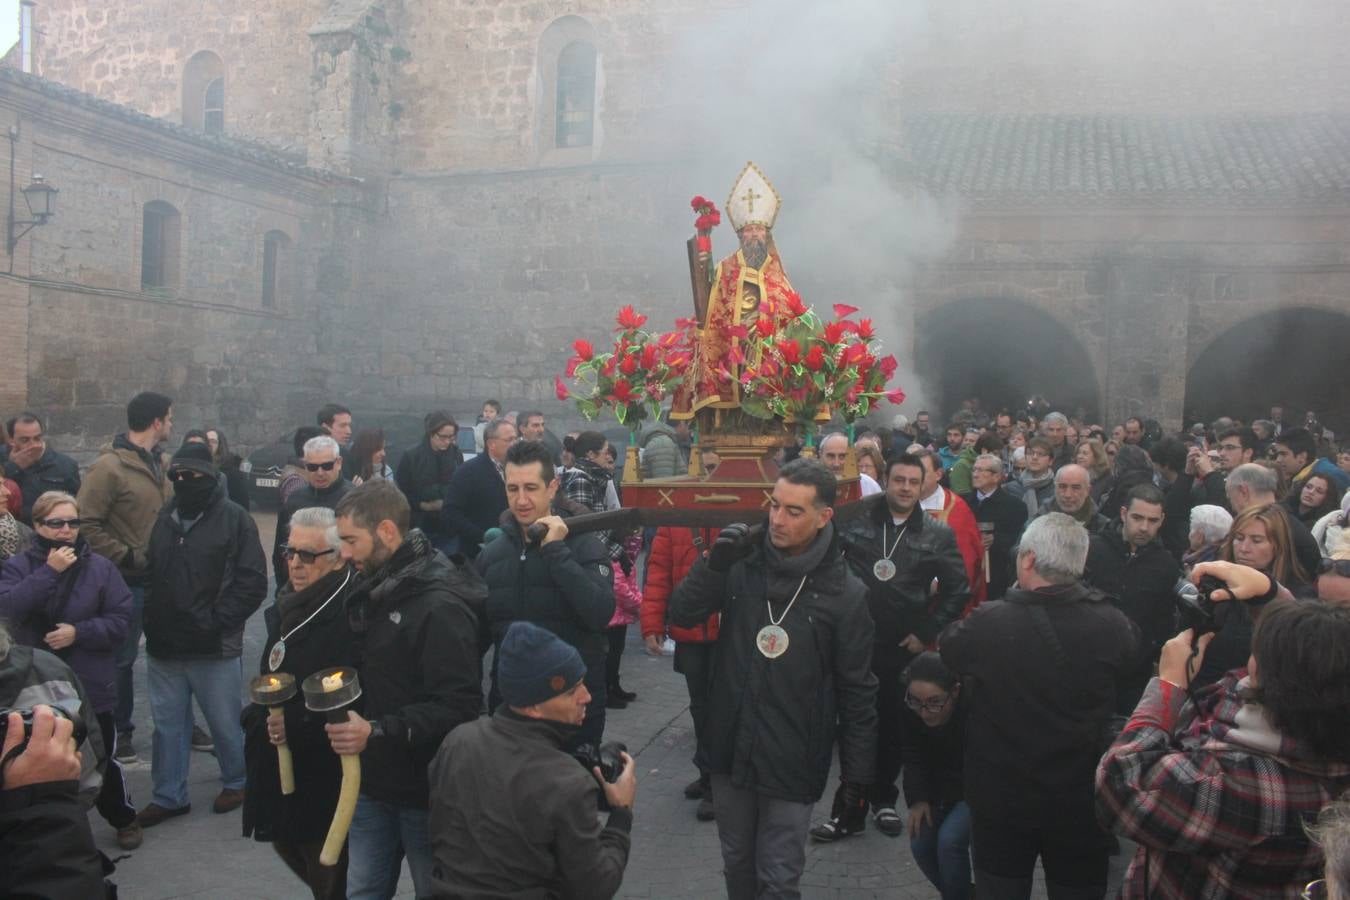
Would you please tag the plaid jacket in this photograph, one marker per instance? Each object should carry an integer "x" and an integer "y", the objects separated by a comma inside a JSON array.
[
  {"x": 1216, "y": 800},
  {"x": 586, "y": 484}
]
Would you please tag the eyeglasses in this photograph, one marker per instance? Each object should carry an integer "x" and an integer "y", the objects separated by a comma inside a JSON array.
[
  {"x": 1316, "y": 890},
  {"x": 308, "y": 557},
  {"x": 184, "y": 475},
  {"x": 1340, "y": 566},
  {"x": 933, "y": 705},
  {"x": 327, "y": 467},
  {"x": 444, "y": 437},
  {"x": 58, "y": 524}
]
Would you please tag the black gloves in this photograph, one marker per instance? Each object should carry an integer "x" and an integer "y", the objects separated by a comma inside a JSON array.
[{"x": 731, "y": 546}]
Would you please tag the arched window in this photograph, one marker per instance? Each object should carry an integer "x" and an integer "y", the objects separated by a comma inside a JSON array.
[
  {"x": 576, "y": 95},
  {"x": 275, "y": 268},
  {"x": 160, "y": 227},
  {"x": 204, "y": 93}
]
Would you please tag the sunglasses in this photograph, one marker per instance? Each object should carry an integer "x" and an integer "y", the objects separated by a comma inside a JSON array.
[
  {"x": 932, "y": 706},
  {"x": 327, "y": 467},
  {"x": 58, "y": 524},
  {"x": 308, "y": 557},
  {"x": 184, "y": 475},
  {"x": 1340, "y": 566}
]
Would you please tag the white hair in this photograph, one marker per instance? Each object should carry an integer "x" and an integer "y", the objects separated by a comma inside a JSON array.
[
  {"x": 1255, "y": 478},
  {"x": 322, "y": 444},
  {"x": 1057, "y": 418},
  {"x": 1060, "y": 545},
  {"x": 901, "y": 421},
  {"x": 831, "y": 436},
  {"x": 319, "y": 517},
  {"x": 1213, "y": 522}
]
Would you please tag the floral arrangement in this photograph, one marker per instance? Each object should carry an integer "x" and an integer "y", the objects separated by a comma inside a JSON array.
[
  {"x": 634, "y": 377},
  {"x": 708, "y": 218}
]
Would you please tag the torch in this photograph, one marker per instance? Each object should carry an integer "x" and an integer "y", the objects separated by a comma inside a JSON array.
[
  {"x": 331, "y": 691},
  {"x": 272, "y": 691},
  {"x": 986, "y": 528}
]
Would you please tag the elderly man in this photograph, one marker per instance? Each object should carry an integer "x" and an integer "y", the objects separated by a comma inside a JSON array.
[
  {"x": 1072, "y": 484},
  {"x": 476, "y": 497},
  {"x": 1254, "y": 485},
  {"x": 307, "y": 631},
  {"x": 834, "y": 454},
  {"x": 1055, "y": 427},
  {"x": 325, "y": 487},
  {"x": 35, "y": 466},
  {"x": 1000, "y": 517}
]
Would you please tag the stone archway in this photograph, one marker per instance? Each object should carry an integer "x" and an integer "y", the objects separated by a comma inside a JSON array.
[
  {"x": 1002, "y": 351},
  {"x": 1292, "y": 357}
]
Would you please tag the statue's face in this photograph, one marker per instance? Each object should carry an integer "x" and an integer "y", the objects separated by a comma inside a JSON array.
[{"x": 753, "y": 236}]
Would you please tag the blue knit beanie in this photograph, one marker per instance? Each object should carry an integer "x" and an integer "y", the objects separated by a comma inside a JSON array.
[{"x": 534, "y": 665}]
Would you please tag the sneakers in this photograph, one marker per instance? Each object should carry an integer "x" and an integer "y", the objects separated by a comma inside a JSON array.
[
  {"x": 130, "y": 837},
  {"x": 202, "y": 741},
  {"x": 126, "y": 750},
  {"x": 888, "y": 821},
  {"x": 228, "y": 800},
  {"x": 834, "y": 829},
  {"x": 153, "y": 814}
]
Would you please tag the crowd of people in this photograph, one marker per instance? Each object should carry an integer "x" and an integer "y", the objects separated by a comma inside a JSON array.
[{"x": 995, "y": 633}]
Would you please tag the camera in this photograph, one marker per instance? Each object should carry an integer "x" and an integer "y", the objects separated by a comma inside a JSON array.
[
  {"x": 79, "y": 732},
  {"x": 1195, "y": 608},
  {"x": 607, "y": 758}
]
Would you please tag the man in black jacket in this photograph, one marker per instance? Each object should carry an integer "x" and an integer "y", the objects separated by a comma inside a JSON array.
[
  {"x": 35, "y": 467},
  {"x": 1039, "y": 669},
  {"x": 207, "y": 576},
  {"x": 899, "y": 552},
  {"x": 1001, "y": 518},
  {"x": 562, "y": 583},
  {"x": 791, "y": 672},
  {"x": 415, "y": 615},
  {"x": 1128, "y": 563},
  {"x": 476, "y": 497},
  {"x": 322, "y": 462},
  {"x": 512, "y": 814}
]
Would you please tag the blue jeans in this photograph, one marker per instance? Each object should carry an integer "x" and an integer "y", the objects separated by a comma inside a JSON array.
[
  {"x": 379, "y": 832},
  {"x": 126, "y": 658},
  {"x": 942, "y": 850},
  {"x": 217, "y": 684}
]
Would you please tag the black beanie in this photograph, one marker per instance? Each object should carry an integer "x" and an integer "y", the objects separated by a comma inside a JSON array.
[
  {"x": 195, "y": 457},
  {"x": 534, "y": 665}
]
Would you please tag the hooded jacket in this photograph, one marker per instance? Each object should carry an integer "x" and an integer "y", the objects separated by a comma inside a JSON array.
[
  {"x": 206, "y": 578},
  {"x": 119, "y": 501},
  {"x": 90, "y": 595},
  {"x": 661, "y": 454}
]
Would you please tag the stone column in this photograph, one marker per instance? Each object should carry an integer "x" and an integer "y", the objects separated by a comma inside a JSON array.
[{"x": 1147, "y": 315}]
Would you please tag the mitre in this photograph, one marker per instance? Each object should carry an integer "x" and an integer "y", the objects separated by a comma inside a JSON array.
[{"x": 753, "y": 200}]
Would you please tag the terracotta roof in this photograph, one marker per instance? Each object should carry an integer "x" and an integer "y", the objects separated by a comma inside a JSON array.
[
  {"x": 232, "y": 146},
  {"x": 1052, "y": 159}
]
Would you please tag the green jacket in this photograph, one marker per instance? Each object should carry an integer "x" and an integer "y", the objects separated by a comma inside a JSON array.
[{"x": 958, "y": 478}]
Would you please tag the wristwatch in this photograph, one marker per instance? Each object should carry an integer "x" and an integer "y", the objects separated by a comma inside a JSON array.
[{"x": 376, "y": 728}]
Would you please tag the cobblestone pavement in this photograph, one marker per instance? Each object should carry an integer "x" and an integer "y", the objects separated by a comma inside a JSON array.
[{"x": 202, "y": 855}]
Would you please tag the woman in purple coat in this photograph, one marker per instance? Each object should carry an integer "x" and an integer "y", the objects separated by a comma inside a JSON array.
[{"x": 62, "y": 597}]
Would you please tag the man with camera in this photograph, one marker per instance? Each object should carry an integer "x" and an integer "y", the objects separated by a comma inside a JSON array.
[
  {"x": 512, "y": 812},
  {"x": 791, "y": 672},
  {"x": 1040, "y": 668}
]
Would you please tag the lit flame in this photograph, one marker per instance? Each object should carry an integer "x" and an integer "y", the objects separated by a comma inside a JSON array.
[
  {"x": 333, "y": 682},
  {"x": 273, "y": 682}
]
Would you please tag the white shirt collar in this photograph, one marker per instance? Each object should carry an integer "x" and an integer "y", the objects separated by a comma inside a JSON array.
[{"x": 935, "y": 500}]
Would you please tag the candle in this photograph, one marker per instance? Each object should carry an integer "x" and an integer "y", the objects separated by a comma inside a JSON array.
[{"x": 332, "y": 682}]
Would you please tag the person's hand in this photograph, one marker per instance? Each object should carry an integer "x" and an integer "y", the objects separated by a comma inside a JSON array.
[
  {"x": 919, "y": 814},
  {"x": 50, "y": 755},
  {"x": 348, "y": 738},
  {"x": 986, "y": 541},
  {"x": 731, "y": 546},
  {"x": 61, "y": 558},
  {"x": 623, "y": 791},
  {"x": 1243, "y": 582},
  {"x": 28, "y": 455},
  {"x": 912, "y": 644},
  {"x": 1203, "y": 464},
  {"x": 557, "y": 529},
  {"x": 60, "y": 637},
  {"x": 1192, "y": 455},
  {"x": 655, "y": 645},
  {"x": 1175, "y": 664},
  {"x": 276, "y": 728}
]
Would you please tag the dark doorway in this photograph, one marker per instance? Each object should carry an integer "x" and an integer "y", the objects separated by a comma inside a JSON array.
[
  {"x": 1003, "y": 352},
  {"x": 1295, "y": 358}
]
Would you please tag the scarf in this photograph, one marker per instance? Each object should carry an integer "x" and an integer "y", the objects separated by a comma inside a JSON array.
[
  {"x": 297, "y": 606},
  {"x": 11, "y": 538},
  {"x": 784, "y": 573},
  {"x": 1084, "y": 514},
  {"x": 1030, "y": 485}
]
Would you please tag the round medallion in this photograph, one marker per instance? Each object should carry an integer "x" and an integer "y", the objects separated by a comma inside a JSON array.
[
  {"x": 276, "y": 656},
  {"x": 884, "y": 570},
  {"x": 772, "y": 641}
]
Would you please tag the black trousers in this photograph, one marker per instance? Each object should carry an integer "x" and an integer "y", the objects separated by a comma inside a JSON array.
[
  {"x": 1073, "y": 851},
  {"x": 113, "y": 801},
  {"x": 883, "y": 790},
  {"x": 618, "y": 636},
  {"x": 324, "y": 882},
  {"x": 695, "y": 662}
]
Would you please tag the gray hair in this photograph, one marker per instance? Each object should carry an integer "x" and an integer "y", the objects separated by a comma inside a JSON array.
[
  {"x": 831, "y": 436},
  {"x": 1072, "y": 469},
  {"x": 322, "y": 444},
  {"x": 319, "y": 517},
  {"x": 901, "y": 421},
  {"x": 1332, "y": 834},
  {"x": 1213, "y": 522},
  {"x": 490, "y": 430},
  {"x": 987, "y": 460},
  {"x": 1257, "y": 479},
  {"x": 1057, "y": 418},
  {"x": 1060, "y": 545}
]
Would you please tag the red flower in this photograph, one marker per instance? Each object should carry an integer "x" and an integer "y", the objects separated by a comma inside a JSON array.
[
  {"x": 896, "y": 396},
  {"x": 628, "y": 319},
  {"x": 865, "y": 329},
  {"x": 738, "y": 331},
  {"x": 572, "y": 366},
  {"x": 791, "y": 351},
  {"x": 560, "y": 389},
  {"x": 697, "y": 203},
  {"x": 795, "y": 306},
  {"x": 623, "y": 391},
  {"x": 889, "y": 365},
  {"x": 651, "y": 355},
  {"x": 764, "y": 327},
  {"x": 853, "y": 353},
  {"x": 608, "y": 368},
  {"x": 629, "y": 364},
  {"x": 815, "y": 358},
  {"x": 584, "y": 350},
  {"x": 834, "y": 332},
  {"x": 843, "y": 310}
]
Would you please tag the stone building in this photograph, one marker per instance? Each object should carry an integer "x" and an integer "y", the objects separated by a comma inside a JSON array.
[{"x": 398, "y": 204}]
